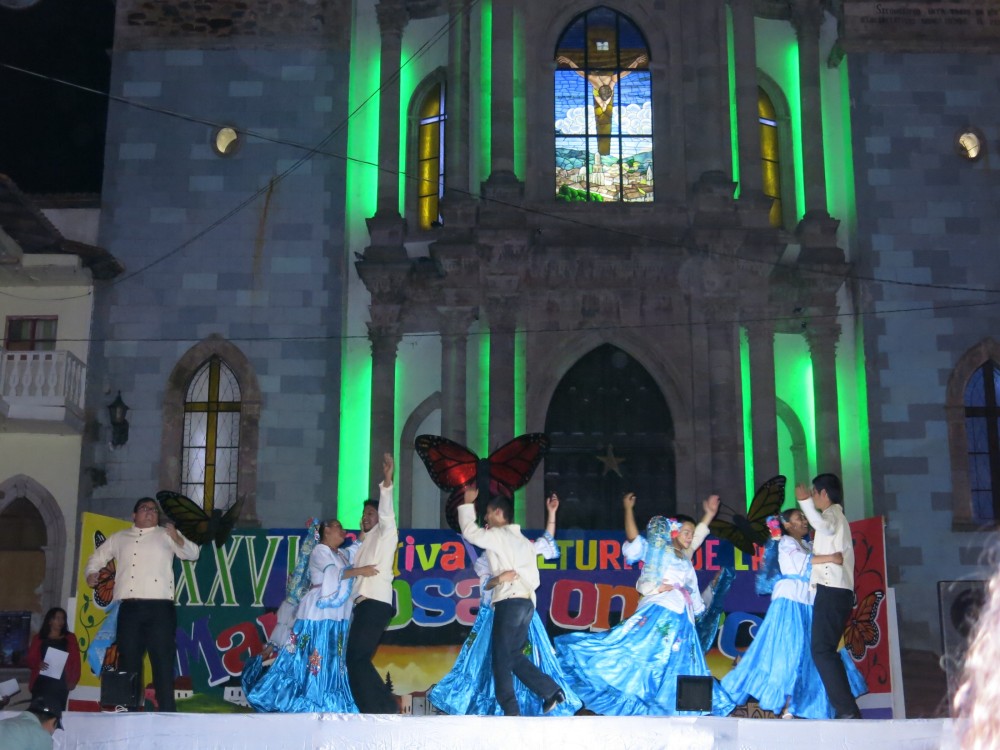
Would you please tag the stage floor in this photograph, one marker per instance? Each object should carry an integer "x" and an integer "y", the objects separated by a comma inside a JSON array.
[{"x": 151, "y": 731}]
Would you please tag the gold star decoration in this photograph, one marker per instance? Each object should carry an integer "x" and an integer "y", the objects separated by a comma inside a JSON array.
[{"x": 611, "y": 461}]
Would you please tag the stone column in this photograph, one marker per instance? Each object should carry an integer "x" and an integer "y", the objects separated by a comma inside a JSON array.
[
  {"x": 455, "y": 322},
  {"x": 747, "y": 118},
  {"x": 763, "y": 401},
  {"x": 502, "y": 95},
  {"x": 392, "y": 18},
  {"x": 822, "y": 339},
  {"x": 807, "y": 17},
  {"x": 385, "y": 337},
  {"x": 502, "y": 325},
  {"x": 456, "y": 133},
  {"x": 454, "y": 337},
  {"x": 725, "y": 414}
]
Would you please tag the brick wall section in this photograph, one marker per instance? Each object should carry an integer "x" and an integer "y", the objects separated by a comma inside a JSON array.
[
  {"x": 925, "y": 216},
  {"x": 267, "y": 276}
]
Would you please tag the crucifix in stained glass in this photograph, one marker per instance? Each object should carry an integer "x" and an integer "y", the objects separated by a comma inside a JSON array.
[{"x": 603, "y": 110}]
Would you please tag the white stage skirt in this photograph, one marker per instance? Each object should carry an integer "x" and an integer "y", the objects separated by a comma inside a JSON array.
[{"x": 181, "y": 731}]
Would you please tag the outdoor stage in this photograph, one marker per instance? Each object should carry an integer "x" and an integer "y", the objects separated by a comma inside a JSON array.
[{"x": 151, "y": 731}]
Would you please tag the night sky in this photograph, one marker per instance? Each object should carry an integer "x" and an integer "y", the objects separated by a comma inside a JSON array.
[{"x": 52, "y": 136}]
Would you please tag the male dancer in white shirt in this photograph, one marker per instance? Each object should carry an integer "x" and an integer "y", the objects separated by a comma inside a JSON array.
[
  {"x": 373, "y": 599},
  {"x": 144, "y": 587},
  {"x": 514, "y": 562},
  {"x": 834, "y": 584}
]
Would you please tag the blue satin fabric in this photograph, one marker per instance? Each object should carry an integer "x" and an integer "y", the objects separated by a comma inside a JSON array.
[
  {"x": 632, "y": 669},
  {"x": 309, "y": 674},
  {"x": 778, "y": 665},
  {"x": 467, "y": 690}
]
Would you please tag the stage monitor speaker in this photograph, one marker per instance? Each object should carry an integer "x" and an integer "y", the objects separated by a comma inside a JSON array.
[
  {"x": 694, "y": 693},
  {"x": 960, "y": 602},
  {"x": 119, "y": 689}
]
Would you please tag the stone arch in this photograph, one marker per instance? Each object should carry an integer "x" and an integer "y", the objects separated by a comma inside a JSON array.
[
  {"x": 799, "y": 447},
  {"x": 250, "y": 407},
  {"x": 22, "y": 486},
  {"x": 406, "y": 455}
]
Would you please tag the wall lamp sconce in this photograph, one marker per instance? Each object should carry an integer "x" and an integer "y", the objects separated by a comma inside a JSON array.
[
  {"x": 970, "y": 143},
  {"x": 119, "y": 425}
]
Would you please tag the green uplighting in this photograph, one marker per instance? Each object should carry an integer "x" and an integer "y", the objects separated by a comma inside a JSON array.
[
  {"x": 355, "y": 431},
  {"x": 486, "y": 85},
  {"x": 747, "y": 414},
  {"x": 794, "y": 96},
  {"x": 520, "y": 107},
  {"x": 520, "y": 423},
  {"x": 484, "y": 393}
]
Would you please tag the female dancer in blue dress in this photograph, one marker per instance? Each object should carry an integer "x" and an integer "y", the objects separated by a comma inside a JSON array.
[
  {"x": 468, "y": 688},
  {"x": 309, "y": 674},
  {"x": 777, "y": 669},
  {"x": 632, "y": 669}
]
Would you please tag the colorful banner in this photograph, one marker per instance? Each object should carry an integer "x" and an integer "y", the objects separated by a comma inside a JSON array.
[{"x": 227, "y": 598}]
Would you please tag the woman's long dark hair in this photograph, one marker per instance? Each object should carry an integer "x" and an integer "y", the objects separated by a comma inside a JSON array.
[{"x": 47, "y": 622}]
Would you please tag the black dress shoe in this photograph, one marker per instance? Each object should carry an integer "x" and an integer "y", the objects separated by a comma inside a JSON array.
[
  {"x": 849, "y": 716},
  {"x": 553, "y": 700}
]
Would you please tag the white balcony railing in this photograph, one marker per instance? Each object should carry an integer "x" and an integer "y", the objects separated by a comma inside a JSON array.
[{"x": 45, "y": 386}]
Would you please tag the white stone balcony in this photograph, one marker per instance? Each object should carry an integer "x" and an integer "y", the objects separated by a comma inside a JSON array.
[{"x": 41, "y": 391}]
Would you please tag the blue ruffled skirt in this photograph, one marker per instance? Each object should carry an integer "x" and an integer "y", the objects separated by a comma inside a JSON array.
[
  {"x": 778, "y": 665},
  {"x": 467, "y": 690},
  {"x": 309, "y": 674},
  {"x": 632, "y": 669}
]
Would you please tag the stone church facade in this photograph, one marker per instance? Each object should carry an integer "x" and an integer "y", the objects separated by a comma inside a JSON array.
[{"x": 344, "y": 225}]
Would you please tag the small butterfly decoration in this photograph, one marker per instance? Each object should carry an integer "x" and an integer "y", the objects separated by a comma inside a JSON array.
[
  {"x": 104, "y": 591},
  {"x": 862, "y": 631},
  {"x": 453, "y": 467},
  {"x": 198, "y": 525},
  {"x": 743, "y": 532}
]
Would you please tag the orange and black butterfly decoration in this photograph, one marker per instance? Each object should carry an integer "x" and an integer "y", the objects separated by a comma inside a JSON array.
[
  {"x": 198, "y": 525},
  {"x": 743, "y": 532},
  {"x": 453, "y": 467},
  {"x": 862, "y": 631},
  {"x": 104, "y": 591}
]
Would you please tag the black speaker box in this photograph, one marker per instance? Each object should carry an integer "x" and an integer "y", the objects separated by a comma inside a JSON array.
[
  {"x": 694, "y": 693},
  {"x": 119, "y": 689}
]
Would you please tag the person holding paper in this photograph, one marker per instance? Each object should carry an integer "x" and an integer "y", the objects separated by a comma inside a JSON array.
[{"x": 54, "y": 660}]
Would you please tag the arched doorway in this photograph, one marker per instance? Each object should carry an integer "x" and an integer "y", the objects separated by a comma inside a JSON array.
[{"x": 611, "y": 433}]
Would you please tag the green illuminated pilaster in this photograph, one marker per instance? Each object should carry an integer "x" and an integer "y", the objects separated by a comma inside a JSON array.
[
  {"x": 747, "y": 414},
  {"x": 483, "y": 413},
  {"x": 355, "y": 428},
  {"x": 520, "y": 107},
  {"x": 520, "y": 423},
  {"x": 486, "y": 86},
  {"x": 794, "y": 95}
]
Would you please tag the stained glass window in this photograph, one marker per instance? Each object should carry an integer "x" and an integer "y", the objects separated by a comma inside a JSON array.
[
  {"x": 603, "y": 110},
  {"x": 430, "y": 158},
  {"x": 211, "y": 441},
  {"x": 770, "y": 156},
  {"x": 982, "y": 428}
]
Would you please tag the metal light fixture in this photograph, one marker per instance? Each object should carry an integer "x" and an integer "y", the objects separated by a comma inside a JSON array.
[{"x": 119, "y": 425}]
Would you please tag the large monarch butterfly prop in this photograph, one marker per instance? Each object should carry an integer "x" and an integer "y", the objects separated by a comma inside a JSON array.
[
  {"x": 745, "y": 531},
  {"x": 104, "y": 591},
  {"x": 196, "y": 524},
  {"x": 862, "y": 631},
  {"x": 453, "y": 467}
]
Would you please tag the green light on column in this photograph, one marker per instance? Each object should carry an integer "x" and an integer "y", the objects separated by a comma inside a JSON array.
[
  {"x": 520, "y": 86},
  {"x": 795, "y": 112},
  {"x": 355, "y": 431},
  {"x": 407, "y": 85},
  {"x": 484, "y": 393},
  {"x": 520, "y": 423},
  {"x": 863, "y": 433},
  {"x": 747, "y": 414},
  {"x": 733, "y": 118},
  {"x": 362, "y": 148},
  {"x": 486, "y": 85}
]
